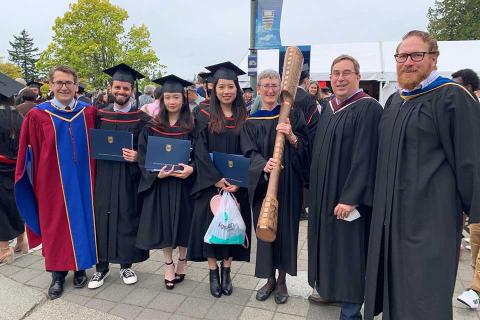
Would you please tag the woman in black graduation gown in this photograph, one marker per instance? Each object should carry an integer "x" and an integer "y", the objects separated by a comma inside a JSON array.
[
  {"x": 258, "y": 140},
  {"x": 218, "y": 129},
  {"x": 167, "y": 206},
  {"x": 11, "y": 224}
]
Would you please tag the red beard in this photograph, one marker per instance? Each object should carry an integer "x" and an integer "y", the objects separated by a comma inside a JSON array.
[{"x": 410, "y": 80}]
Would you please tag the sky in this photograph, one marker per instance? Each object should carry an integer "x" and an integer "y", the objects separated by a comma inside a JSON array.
[{"x": 190, "y": 34}]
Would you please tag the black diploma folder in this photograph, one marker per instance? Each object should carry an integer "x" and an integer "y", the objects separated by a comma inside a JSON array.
[
  {"x": 233, "y": 167},
  {"x": 108, "y": 144},
  {"x": 166, "y": 152}
]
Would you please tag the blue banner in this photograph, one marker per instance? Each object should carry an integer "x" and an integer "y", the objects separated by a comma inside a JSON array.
[
  {"x": 252, "y": 65},
  {"x": 267, "y": 24}
]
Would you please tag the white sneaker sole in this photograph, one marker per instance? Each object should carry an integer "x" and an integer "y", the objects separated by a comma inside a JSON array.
[
  {"x": 129, "y": 281},
  {"x": 467, "y": 304},
  {"x": 97, "y": 284}
]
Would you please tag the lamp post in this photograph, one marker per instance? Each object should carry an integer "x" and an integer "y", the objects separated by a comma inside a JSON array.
[{"x": 253, "y": 50}]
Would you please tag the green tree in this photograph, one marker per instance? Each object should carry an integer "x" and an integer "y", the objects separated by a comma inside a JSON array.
[
  {"x": 24, "y": 54},
  {"x": 138, "y": 53},
  {"x": 454, "y": 20},
  {"x": 10, "y": 69},
  {"x": 91, "y": 37}
]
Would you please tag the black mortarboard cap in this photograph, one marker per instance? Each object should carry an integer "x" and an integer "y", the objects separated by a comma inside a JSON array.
[
  {"x": 125, "y": 73},
  {"x": 33, "y": 83},
  {"x": 248, "y": 88},
  {"x": 8, "y": 86},
  {"x": 81, "y": 87},
  {"x": 207, "y": 76},
  {"x": 172, "y": 83},
  {"x": 225, "y": 70}
]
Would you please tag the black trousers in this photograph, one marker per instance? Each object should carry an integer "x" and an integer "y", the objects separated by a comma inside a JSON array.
[
  {"x": 103, "y": 266},
  {"x": 63, "y": 274},
  {"x": 11, "y": 223}
]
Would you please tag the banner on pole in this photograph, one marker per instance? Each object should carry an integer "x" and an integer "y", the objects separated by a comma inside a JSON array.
[
  {"x": 252, "y": 65},
  {"x": 267, "y": 24}
]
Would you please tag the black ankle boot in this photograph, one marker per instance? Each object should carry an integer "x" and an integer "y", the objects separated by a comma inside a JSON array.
[
  {"x": 226, "y": 281},
  {"x": 215, "y": 288},
  {"x": 281, "y": 291},
  {"x": 56, "y": 287}
]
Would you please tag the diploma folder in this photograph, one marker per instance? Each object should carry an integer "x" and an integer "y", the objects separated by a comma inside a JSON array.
[
  {"x": 233, "y": 167},
  {"x": 108, "y": 144},
  {"x": 166, "y": 152}
]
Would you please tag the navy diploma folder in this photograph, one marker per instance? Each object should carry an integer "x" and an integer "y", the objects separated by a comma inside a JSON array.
[
  {"x": 233, "y": 167},
  {"x": 166, "y": 152},
  {"x": 108, "y": 144}
]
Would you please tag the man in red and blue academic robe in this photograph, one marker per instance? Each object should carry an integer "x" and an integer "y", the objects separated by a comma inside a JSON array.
[{"x": 54, "y": 181}]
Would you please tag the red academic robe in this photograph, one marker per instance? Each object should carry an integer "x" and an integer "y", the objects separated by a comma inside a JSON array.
[{"x": 54, "y": 185}]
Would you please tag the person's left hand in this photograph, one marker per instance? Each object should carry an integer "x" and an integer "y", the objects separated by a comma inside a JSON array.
[
  {"x": 185, "y": 173},
  {"x": 231, "y": 188},
  {"x": 343, "y": 210},
  {"x": 285, "y": 128},
  {"x": 130, "y": 155}
]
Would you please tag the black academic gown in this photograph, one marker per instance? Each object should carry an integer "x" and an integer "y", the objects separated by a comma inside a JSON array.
[
  {"x": 117, "y": 205},
  {"x": 258, "y": 140},
  {"x": 204, "y": 189},
  {"x": 428, "y": 171},
  {"x": 342, "y": 171},
  {"x": 11, "y": 224},
  {"x": 306, "y": 103},
  {"x": 84, "y": 99},
  {"x": 167, "y": 205}
]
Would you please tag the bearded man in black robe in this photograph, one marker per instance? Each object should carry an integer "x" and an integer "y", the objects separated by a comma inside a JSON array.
[
  {"x": 117, "y": 204},
  {"x": 428, "y": 173}
]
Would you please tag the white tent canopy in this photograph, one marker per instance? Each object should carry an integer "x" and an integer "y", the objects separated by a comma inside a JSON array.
[{"x": 375, "y": 59}]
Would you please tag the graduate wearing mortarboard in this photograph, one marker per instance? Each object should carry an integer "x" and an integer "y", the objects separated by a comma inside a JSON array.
[
  {"x": 81, "y": 94},
  {"x": 248, "y": 97},
  {"x": 218, "y": 129},
  {"x": 12, "y": 225},
  {"x": 117, "y": 206},
  {"x": 167, "y": 205},
  {"x": 35, "y": 86},
  {"x": 208, "y": 79}
]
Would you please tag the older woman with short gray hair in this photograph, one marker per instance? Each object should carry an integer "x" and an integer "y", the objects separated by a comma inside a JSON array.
[{"x": 257, "y": 142}]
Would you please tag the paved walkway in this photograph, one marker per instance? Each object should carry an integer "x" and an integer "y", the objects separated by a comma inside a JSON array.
[{"x": 23, "y": 287}]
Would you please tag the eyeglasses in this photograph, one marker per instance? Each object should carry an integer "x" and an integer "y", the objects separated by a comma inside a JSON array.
[
  {"x": 415, "y": 56},
  {"x": 67, "y": 84},
  {"x": 270, "y": 86},
  {"x": 345, "y": 73}
]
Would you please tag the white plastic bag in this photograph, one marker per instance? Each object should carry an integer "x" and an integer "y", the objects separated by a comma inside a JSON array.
[{"x": 227, "y": 226}]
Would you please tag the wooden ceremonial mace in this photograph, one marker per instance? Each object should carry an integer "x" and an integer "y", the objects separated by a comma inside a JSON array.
[{"x": 267, "y": 221}]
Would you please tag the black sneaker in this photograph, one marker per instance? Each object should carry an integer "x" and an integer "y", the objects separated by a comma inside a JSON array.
[
  {"x": 97, "y": 280},
  {"x": 128, "y": 276}
]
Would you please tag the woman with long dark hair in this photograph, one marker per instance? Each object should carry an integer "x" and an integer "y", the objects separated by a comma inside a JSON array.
[
  {"x": 218, "y": 130},
  {"x": 167, "y": 207}
]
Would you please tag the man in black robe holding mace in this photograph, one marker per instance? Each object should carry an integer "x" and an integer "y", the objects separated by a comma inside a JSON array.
[
  {"x": 341, "y": 190},
  {"x": 428, "y": 173},
  {"x": 117, "y": 208}
]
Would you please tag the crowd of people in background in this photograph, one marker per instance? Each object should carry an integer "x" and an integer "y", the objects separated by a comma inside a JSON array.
[{"x": 386, "y": 187}]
